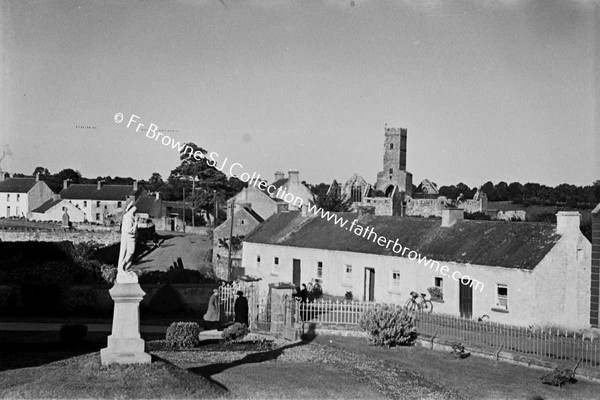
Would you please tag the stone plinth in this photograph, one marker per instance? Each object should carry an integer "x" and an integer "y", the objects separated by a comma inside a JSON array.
[
  {"x": 125, "y": 346},
  {"x": 281, "y": 310}
]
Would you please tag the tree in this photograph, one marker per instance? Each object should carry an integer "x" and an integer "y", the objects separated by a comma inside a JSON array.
[
  {"x": 501, "y": 191},
  {"x": 41, "y": 170},
  {"x": 515, "y": 192},
  {"x": 332, "y": 202}
]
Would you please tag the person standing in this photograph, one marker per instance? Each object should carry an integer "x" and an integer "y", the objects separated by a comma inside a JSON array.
[
  {"x": 241, "y": 308},
  {"x": 213, "y": 315},
  {"x": 303, "y": 293}
]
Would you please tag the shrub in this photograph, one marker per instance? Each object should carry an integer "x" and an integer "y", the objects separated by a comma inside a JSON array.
[
  {"x": 81, "y": 300},
  {"x": 40, "y": 298},
  {"x": 183, "y": 334},
  {"x": 236, "y": 331},
  {"x": 73, "y": 333},
  {"x": 389, "y": 327},
  {"x": 349, "y": 296},
  {"x": 436, "y": 293},
  {"x": 558, "y": 377},
  {"x": 458, "y": 350}
]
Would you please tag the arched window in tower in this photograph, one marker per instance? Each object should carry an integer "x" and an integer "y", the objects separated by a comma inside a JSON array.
[{"x": 391, "y": 146}]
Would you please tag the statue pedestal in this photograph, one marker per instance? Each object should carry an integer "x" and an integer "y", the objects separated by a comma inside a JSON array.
[{"x": 125, "y": 346}]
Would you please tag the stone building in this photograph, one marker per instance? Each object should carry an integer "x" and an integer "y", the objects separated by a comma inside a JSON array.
[
  {"x": 521, "y": 274},
  {"x": 100, "y": 202},
  {"x": 394, "y": 172},
  {"x": 262, "y": 204},
  {"x": 292, "y": 185},
  {"x": 245, "y": 220},
  {"x": 20, "y": 196}
]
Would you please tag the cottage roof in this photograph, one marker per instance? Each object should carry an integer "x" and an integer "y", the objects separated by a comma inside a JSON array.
[
  {"x": 91, "y": 192},
  {"x": 47, "y": 205},
  {"x": 511, "y": 245},
  {"x": 17, "y": 185}
]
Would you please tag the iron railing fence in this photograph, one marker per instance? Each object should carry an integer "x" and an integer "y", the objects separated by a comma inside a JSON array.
[{"x": 551, "y": 343}]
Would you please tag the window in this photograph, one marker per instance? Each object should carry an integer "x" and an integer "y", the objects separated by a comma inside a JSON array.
[
  {"x": 8, "y": 197},
  {"x": 348, "y": 273},
  {"x": 97, "y": 216},
  {"x": 85, "y": 203},
  {"x": 391, "y": 170},
  {"x": 502, "y": 296},
  {"x": 395, "y": 283},
  {"x": 18, "y": 197},
  {"x": 98, "y": 203},
  {"x": 8, "y": 211},
  {"x": 105, "y": 207},
  {"x": 319, "y": 269},
  {"x": 242, "y": 221},
  {"x": 275, "y": 270},
  {"x": 391, "y": 146},
  {"x": 439, "y": 282},
  {"x": 119, "y": 204},
  {"x": 258, "y": 261}
]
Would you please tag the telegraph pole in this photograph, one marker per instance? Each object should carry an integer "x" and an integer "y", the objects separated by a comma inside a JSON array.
[
  {"x": 193, "y": 208},
  {"x": 215, "y": 201},
  {"x": 230, "y": 240},
  {"x": 183, "y": 209}
]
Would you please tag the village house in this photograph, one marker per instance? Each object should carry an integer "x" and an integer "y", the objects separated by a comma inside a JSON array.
[
  {"x": 100, "y": 202},
  {"x": 244, "y": 221},
  {"x": 292, "y": 185},
  {"x": 54, "y": 210},
  {"x": 262, "y": 204},
  {"x": 19, "y": 196},
  {"x": 521, "y": 274}
]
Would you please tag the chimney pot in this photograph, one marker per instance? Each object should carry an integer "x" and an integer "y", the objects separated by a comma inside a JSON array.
[
  {"x": 65, "y": 183},
  {"x": 157, "y": 194},
  {"x": 451, "y": 216},
  {"x": 294, "y": 177},
  {"x": 37, "y": 176},
  {"x": 278, "y": 175},
  {"x": 99, "y": 185},
  {"x": 567, "y": 221},
  {"x": 135, "y": 185}
]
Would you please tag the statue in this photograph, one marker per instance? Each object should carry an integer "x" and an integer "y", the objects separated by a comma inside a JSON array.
[
  {"x": 125, "y": 273},
  {"x": 65, "y": 219}
]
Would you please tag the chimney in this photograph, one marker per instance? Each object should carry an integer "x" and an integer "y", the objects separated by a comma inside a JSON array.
[
  {"x": 567, "y": 221},
  {"x": 135, "y": 186},
  {"x": 37, "y": 177},
  {"x": 595, "y": 275},
  {"x": 65, "y": 183},
  {"x": 278, "y": 175},
  {"x": 157, "y": 194},
  {"x": 294, "y": 177},
  {"x": 304, "y": 210},
  {"x": 2, "y": 175},
  {"x": 451, "y": 216}
]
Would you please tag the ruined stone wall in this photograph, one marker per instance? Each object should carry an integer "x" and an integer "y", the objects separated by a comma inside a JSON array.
[
  {"x": 433, "y": 207},
  {"x": 382, "y": 205}
]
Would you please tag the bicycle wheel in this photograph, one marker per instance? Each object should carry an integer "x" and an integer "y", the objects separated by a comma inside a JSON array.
[
  {"x": 426, "y": 306},
  {"x": 410, "y": 305}
]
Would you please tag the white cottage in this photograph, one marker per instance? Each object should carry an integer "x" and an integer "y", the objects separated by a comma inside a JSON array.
[
  {"x": 19, "y": 196},
  {"x": 517, "y": 273}
]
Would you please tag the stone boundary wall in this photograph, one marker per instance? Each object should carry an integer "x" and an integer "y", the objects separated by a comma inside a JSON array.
[
  {"x": 59, "y": 235},
  {"x": 433, "y": 207},
  {"x": 193, "y": 296}
]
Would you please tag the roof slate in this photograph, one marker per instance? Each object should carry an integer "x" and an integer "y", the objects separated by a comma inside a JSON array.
[
  {"x": 91, "y": 192},
  {"x": 47, "y": 205},
  {"x": 17, "y": 185},
  {"x": 519, "y": 245}
]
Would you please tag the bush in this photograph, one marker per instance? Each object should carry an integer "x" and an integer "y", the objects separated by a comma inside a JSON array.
[
  {"x": 40, "y": 298},
  {"x": 73, "y": 333},
  {"x": 349, "y": 296},
  {"x": 183, "y": 334},
  {"x": 389, "y": 327},
  {"x": 81, "y": 300},
  {"x": 436, "y": 293},
  {"x": 558, "y": 377},
  {"x": 236, "y": 331}
]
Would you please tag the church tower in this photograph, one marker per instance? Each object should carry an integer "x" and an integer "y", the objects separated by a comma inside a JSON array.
[{"x": 394, "y": 163}]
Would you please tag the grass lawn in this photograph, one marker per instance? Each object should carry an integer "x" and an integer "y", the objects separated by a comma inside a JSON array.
[{"x": 473, "y": 377}]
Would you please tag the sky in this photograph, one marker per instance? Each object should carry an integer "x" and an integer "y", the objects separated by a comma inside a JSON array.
[{"x": 499, "y": 90}]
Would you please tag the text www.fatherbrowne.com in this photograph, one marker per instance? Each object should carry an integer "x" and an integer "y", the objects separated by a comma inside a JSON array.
[{"x": 368, "y": 233}]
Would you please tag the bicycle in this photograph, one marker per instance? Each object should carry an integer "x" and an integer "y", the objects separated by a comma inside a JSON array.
[{"x": 422, "y": 304}]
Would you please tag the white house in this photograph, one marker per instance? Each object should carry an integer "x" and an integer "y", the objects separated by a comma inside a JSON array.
[
  {"x": 517, "y": 273},
  {"x": 19, "y": 196},
  {"x": 100, "y": 201},
  {"x": 54, "y": 209},
  {"x": 291, "y": 185}
]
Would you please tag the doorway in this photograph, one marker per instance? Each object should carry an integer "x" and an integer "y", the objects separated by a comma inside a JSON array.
[
  {"x": 369, "y": 284},
  {"x": 465, "y": 294},
  {"x": 296, "y": 272}
]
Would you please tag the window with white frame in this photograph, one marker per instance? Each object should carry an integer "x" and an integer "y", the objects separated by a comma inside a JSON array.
[
  {"x": 98, "y": 203},
  {"x": 348, "y": 273},
  {"x": 119, "y": 204},
  {"x": 395, "y": 282},
  {"x": 502, "y": 296},
  {"x": 319, "y": 269},
  {"x": 258, "y": 261},
  {"x": 438, "y": 282},
  {"x": 85, "y": 203},
  {"x": 275, "y": 265},
  {"x": 97, "y": 216},
  {"x": 18, "y": 197}
]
